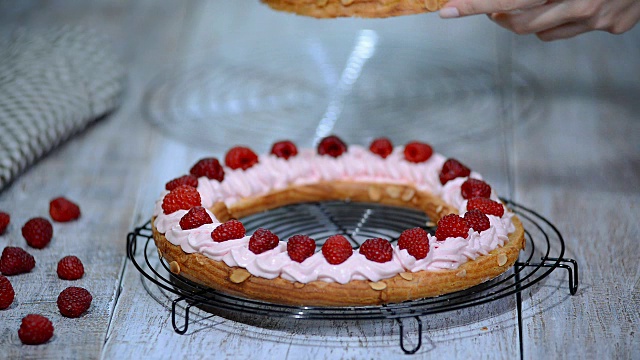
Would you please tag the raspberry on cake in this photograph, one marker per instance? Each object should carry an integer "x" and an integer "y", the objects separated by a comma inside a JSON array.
[
  {"x": 415, "y": 241},
  {"x": 336, "y": 249},
  {"x": 381, "y": 147},
  {"x": 378, "y": 250},
  {"x": 188, "y": 180},
  {"x": 297, "y": 270},
  {"x": 452, "y": 226},
  {"x": 487, "y": 206},
  {"x": 194, "y": 218},
  {"x": 183, "y": 197},
  {"x": 300, "y": 247},
  {"x": 263, "y": 240},
  {"x": 417, "y": 152},
  {"x": 477, "y": 220},
  {"x": 240, "y": 157},
  {"x": 209, "y": 168},
  {"x": 472, "y": 188},
  {"x": 284, "y": 149},
  {"x": 230, "y": 230},
  {"x": 332, "y": 146},
  {"x": 452, "y": 169}
]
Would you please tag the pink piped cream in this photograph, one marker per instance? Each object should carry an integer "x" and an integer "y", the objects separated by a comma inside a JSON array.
[{"x": 356, "y": 164}]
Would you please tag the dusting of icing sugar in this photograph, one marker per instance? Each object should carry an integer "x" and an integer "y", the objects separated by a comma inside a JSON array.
[{"x": 356, "y": 164}]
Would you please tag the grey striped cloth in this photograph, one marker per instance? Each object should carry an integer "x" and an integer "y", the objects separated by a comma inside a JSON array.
[{"x": 52, "y": 85}]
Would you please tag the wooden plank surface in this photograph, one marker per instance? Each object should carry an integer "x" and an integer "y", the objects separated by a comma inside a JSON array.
[{"x": 576, "y": 162}]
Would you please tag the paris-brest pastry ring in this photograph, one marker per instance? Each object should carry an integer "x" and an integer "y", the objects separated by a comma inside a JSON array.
[
  {"x": 196, "y": 230},
  {"x": 355, "y": 8}
]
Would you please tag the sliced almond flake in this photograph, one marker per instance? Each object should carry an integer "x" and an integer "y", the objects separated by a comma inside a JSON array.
[
  {"x": 406, "y": 275},
  {"x": 378, "y": 285},
  {"x": 239, "y": 275},
  {"x": 502, "y": 259},
  {"x": 174, "y": 267}
]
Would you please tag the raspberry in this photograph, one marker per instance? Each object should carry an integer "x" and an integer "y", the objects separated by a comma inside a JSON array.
[
  {"x": 332, "y": 146},
  {"x": 452, "y": 225},
  {"x": 336, "y": 249},
  {"x": 16, "y": 261},
  {"x": 73, "y": 301},
  {"x": 70, "y": 268},
  {"x": 475, "y": 188},
  {"x": 417, "y": 152},
  {"x": 35, "y": 330},
  {"x": 284, "y": 149},
  {"x": 183, "y": 197},
  {"x": 487, "y": 206},
  {"x": 5, "y": 219},
  {"x": 208, "y": 167},
  {"x": 63, "y": 210},
  {"x": 263, "y": 240},
  {"x": 300, "y": 247},
  {"x": 381, "y": 147},
  {"x": 6, "y": 293},
  {"x": 415, "y": 241},
  {"x": 452, "y": 169},
  {"x": 196, "y": 217},
  {"x": 232, "y": 229},
  {"x": 240, "y": 157},
  {"x": 378, "y": 250},
  {"x": 477, "y": 220},
  {"x": 188, "y": 180},
  {"x": 38, "y": 232}
]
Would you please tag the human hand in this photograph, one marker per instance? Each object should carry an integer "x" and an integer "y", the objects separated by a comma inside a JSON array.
[{"x": 551, "y": 19}]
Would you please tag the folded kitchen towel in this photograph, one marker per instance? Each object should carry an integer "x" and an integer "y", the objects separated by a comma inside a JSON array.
[{"x": 52, "y": 85}]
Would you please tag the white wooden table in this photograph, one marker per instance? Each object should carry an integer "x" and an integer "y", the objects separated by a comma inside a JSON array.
[{"x": 576, "y": 162}]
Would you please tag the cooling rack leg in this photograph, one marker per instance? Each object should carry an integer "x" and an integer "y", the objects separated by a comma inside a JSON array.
[
  {"x": 178, "y": 330},
  {"x": 572, "y": 267},
  {"x": 402, "y": 334}
]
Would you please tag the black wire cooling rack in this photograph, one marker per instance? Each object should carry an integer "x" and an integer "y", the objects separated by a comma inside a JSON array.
[{"x": 544, "y": 253}]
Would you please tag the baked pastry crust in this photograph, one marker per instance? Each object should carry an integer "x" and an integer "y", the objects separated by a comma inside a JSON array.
[
  {"x": 355, "y": 8},
  {"x": 404, "y": 286}
]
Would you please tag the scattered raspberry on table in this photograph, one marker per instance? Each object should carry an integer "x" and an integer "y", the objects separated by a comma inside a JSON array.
[
  {"x": 35, "y": 329},
  {"x": 6, "y": 293},
  {"x": 70, "y": 268},
  {"x": 5, "y": 219},
  {"x": 37, "y": 232},
  {"x": 62, "y": 209},
  {"x": 74, "y": 301},
  {"x": 15, "y": 260}
]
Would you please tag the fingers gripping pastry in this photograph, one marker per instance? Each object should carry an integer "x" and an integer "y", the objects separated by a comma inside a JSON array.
[
  {"x": 355, "y": 8},
  {"x": 197, "y": 225}
]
